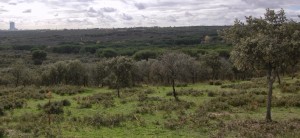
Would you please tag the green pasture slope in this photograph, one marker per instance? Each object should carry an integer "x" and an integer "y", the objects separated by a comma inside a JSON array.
[{"x": 149, "y": 111}]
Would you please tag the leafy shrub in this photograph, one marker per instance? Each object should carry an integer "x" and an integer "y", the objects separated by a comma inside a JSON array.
[
  {"x": 2, "y": 111},
  {"x": 170, "y": 105},
  {"x": 37, "y": 125},
  {"x": 145, "y": 55},
  {"x": 260, "y": 129},
  {"x": 2, "y": 132},
  {"x": 145, "y": 110},
  {"x": 66, "y": 90},
  {"x": 173, "y": 124},
  {"x": 182, "y": 85},
  {"x": 53, "y": 108},
  {"x": 142, "y": 97},
  {"x": 188, "y": 92},
  {"x": 100, "y": 120},
  {"x": 244, "y": 85},
  {"x": 289, "y": 87},
  {"x": 106, "y": 99},
  {"x": 211, "y": 94},
  {"x": 149, "y": 91},
  {"x": 66, "y": 102},
  {"x": 85, "y": 104},
  {"x": 287, "y": 101},
  {"x": 216, "y": 82},
  {"x": 107, "y": 53}
]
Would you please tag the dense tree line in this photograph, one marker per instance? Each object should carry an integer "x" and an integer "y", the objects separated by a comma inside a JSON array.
[{"x": 121, "y": 71}]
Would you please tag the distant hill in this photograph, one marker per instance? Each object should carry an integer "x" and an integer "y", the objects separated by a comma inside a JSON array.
[{"x": 122, "y": 36}]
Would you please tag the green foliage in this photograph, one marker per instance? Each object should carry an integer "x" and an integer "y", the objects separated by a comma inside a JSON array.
[
  {"x": 2, "y": 132},
  {"x": 260, "y": 129},
  {"x": 188, "y": 92},
  {"x": 105, "y": 120},
  {"x": 290, "y": 88},
  {"x": 66, "y": 90},
  {"x": 38, "y": 56},
  {"x": 2, "y": 111},
  {"x": 107, "y": 53},
  {"x": 66, "y": 49},
  {"x": 145, "y": 55},
  {"x": 263, "y": 43},
  {"x": 53, "y": 108},
  {"x": 121, "y": 72}
]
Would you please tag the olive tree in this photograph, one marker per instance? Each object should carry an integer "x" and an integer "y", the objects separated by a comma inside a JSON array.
[
  {"x": 38, "y": 56},
  {"x": 261, "y": 44},
  {"x": 100, "y": 72},
  {"x": 212, "y": 60},
  {"x": 17, "y": 72},
  {"x": 174, "y": 65},
  {"x": 121, "y": 72},
  {"x": 76, "y": 73}
]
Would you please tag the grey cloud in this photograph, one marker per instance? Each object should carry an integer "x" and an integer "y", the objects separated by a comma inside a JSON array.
[
  {"x": 140, "y": 6},
  {"x": 106, "y": 19},
  {"x": 4, "y": 1},
  {"x": 2, "y": 10},
  {"x": 27, "y": 11},
  {"x": 124, "y": 1},
  {"x": 93, "y": 13},
  {"x": 188, "y": 14},
  {"x": 97, "y": 14},
  {"x": 92, "y": 10},
  {"x": 78, "y": 21},
  {"x": 108, "y": 9},
  {"x": 171, "y": 19},
  {"x": 126, "y": 17},
  {"x": 12, "y": 3}
]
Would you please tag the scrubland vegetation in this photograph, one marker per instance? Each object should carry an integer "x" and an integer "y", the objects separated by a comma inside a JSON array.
[{"x": 153, "y": 82}]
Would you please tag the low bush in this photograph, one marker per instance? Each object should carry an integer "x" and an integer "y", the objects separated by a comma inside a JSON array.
[
  {"x": 85, "y": 104},
  {"x": 211, "y": 94},
  {"x": 173, "y": 124},
  {"x": 66, "y": 90},
  {"x": 2, "y": 113},
  {"x": 149, "y": 91},
  {"x": 171, "y": 105},
  {"x": 188, "y": 92},
  {"x": 106, "y": 99},
  {"x": 66, "y": 102},
  {"x": 287, "y": 101},
  {"x": 102, "y": 120},
  {"x": 215, "y": 82},
  {"x": 260, "y": 129},
  {"x": 289, "y": 87},
  {"x": 53, "y": 108},
  {"x": 182, "y": 85},
  {"x": 244, "y": 85},
  {"x": 2, "y": 132}
]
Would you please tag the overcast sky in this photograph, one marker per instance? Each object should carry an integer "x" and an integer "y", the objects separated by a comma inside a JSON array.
[{"x": 59, "y": 14}]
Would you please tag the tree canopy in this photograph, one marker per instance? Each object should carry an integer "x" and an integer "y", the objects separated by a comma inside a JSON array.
[{"x": 263, "y": 44}]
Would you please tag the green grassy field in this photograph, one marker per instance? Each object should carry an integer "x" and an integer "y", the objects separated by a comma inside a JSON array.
[{"x": 147, "y": 111}]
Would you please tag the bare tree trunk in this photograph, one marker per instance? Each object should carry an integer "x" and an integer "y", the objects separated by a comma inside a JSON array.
[
  {"x": 278, "y": 76},
  {"x": 118, "y": 90},
  {"x": 270, "y": 87},
  {"x": 174, "y": 92},
  {"x": 293, "y": 71},
  {"x": 193, "y": 79}
]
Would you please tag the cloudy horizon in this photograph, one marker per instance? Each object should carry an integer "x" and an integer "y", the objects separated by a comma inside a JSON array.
[{"x": 82, "y": 14}]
